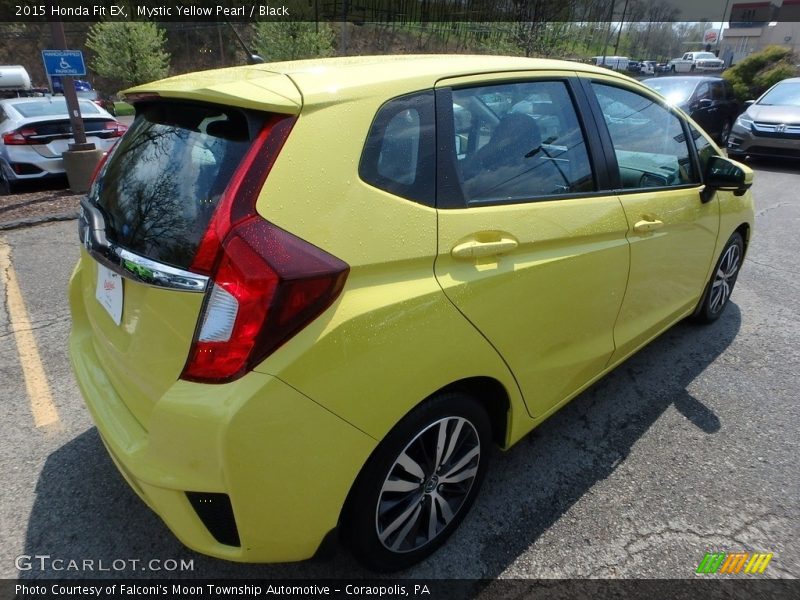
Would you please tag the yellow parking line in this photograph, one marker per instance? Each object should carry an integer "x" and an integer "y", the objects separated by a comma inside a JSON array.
[{"x": 41, "y": 399}]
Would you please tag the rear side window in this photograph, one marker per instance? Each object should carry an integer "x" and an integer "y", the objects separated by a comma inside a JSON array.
[
  {"x": 518, "y": 141},
  {"x": 162, "y": 184},
  {"x": 399, "y": 155}
]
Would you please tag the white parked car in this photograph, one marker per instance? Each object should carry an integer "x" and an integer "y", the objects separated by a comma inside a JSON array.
[
  {"x": 34, "y": 132},
  {"x": 648, "y": 67}
]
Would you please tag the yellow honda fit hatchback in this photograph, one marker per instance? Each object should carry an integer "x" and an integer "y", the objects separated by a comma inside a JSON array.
[{"x": 311, "y": 295}]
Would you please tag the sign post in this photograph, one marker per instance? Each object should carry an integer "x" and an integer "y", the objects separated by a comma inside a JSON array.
[
  {"x": 81, "y": 158},
  {"x": 66, "y": 64}
]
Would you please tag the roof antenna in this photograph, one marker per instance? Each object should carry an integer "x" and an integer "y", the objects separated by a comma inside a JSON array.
[{"x": 252, "y": 59}]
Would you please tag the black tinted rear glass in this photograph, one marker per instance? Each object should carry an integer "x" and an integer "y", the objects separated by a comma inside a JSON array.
[{"x": 162, "y": 184}]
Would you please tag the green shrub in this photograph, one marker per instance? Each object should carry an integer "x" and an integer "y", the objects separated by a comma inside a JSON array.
[
  {"x": 772, "y": 75},
  {"x": 756, "y": 73}
]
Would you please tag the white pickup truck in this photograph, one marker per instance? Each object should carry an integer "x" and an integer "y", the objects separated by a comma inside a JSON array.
[{"x": 696, "y": 61}]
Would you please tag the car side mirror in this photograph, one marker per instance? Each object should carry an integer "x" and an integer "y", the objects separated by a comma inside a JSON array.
[
  {"x": 705, "y": 103},
  {"x": 749, "y": 103},
  {"x": 726, "y": 175}
]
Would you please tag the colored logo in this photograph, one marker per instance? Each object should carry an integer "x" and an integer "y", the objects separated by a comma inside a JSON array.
[{"x": 734, "y": 562}]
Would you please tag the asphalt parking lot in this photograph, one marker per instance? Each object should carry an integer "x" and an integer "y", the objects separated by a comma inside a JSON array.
[{"x": 690, "y": 447}]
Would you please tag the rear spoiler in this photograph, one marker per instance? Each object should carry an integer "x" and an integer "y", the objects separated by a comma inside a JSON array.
[{"x": 254, "y": 87}]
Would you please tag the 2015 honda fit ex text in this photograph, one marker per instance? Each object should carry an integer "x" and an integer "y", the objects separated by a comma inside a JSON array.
[{"x": 311, "y": 295}]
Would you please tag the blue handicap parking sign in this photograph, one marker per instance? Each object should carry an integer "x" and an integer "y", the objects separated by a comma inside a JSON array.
[{"x": 63, "y": 62}]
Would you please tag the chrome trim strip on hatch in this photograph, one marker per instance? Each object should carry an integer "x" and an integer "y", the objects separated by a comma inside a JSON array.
[
  {"x": 92, "y": 233},
  {"x": 154, "y": 273}
]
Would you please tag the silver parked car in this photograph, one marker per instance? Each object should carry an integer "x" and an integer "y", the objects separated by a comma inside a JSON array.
[
  {"x": 771, "y": 125},
  {"x": 34, "y": 132}
]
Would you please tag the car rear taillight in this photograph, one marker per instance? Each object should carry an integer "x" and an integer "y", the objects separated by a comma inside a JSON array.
[
  {"x": 267, "y": 283},
  {"x": 19, "y": 137}
]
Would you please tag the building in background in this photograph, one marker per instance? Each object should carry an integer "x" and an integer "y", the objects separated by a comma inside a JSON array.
[{"x": 752, "y": 26}]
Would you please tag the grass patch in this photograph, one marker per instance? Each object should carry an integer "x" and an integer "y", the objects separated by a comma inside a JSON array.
[{"x": 123, "y": 109}]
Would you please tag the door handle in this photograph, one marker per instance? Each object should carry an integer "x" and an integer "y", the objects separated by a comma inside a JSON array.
[
  {"x": 477, "y": 249},
  {"x": 644, "y": 226}
]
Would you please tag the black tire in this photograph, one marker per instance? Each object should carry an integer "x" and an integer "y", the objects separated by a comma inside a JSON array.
[
  {"x": 386, "y": 522},
  {"x": 719, "y": 289},
  {"x": 6, "y": 187}
]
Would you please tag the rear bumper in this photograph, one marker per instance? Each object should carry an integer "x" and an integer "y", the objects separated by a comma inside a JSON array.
[
  {"x": 285, "y": 463},
  {"x": 21, "y": 170},
  {"x": 47, "y": 166}
]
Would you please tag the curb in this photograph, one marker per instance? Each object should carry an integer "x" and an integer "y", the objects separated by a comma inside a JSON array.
[{"x": 67, "y": 216}]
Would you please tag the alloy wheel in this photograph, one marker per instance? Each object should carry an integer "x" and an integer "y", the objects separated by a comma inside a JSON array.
[
  {"x": 427, "y": 485},
  {"x": 724, "y": 278}
]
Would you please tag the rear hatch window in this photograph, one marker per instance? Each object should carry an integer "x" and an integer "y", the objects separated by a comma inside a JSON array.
[
  {"x": 162, "y": 184},
  {"x": 53, "y": 107}
]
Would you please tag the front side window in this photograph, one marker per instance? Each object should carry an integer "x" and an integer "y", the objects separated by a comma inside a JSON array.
[
  {"x": 518, "y": 141},
  {"x": 649, "y": 141}
]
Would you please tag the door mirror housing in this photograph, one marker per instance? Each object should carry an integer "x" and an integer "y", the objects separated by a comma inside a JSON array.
[
  {"x": 726, "y": 175},
  {"x": 705, "y": 103}
]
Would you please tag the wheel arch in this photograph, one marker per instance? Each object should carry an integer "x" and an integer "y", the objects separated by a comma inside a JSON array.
[
  {"x": 479, "y": 392},
  {"x": 494, "y": 398},
  {"x": 490, "y": 393}
]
